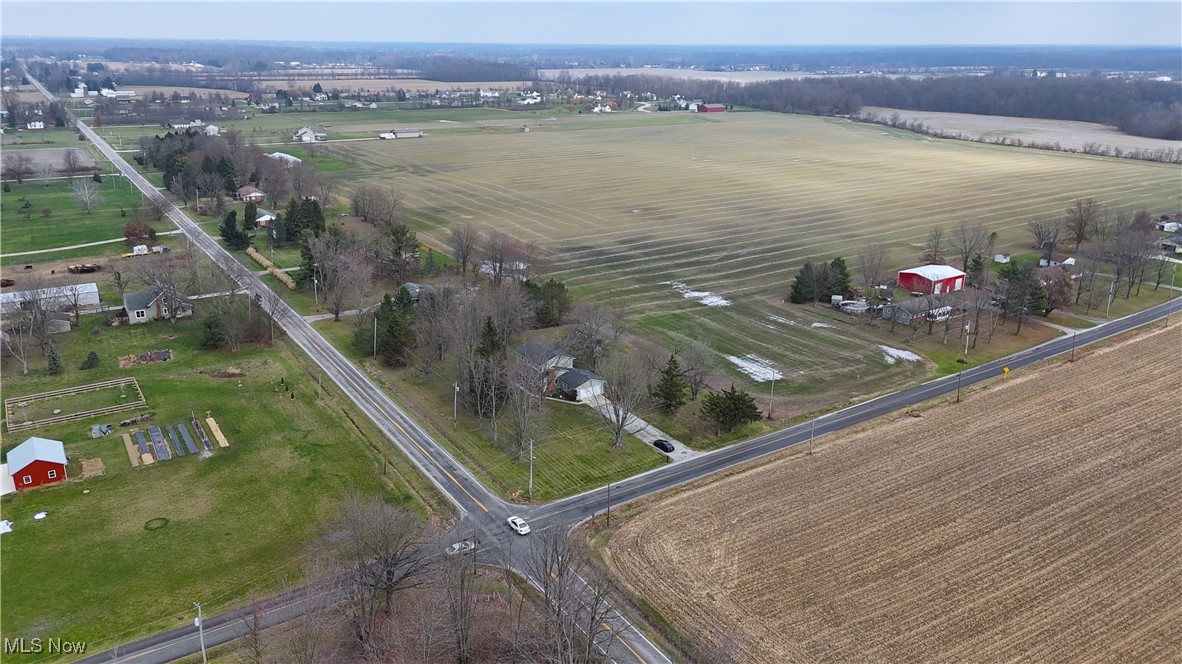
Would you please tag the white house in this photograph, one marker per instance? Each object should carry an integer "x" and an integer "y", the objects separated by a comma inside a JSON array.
[{"x": 306, "y": 135}]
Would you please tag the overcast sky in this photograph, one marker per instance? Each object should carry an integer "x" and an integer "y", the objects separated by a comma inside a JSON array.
[{"x": 781, "y": 23}]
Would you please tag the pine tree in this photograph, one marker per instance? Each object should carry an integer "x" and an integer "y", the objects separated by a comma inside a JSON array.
[
  {"x": 92, "y": 360},
  {"x": 53, "y": 361},
  {"x": 729, "y": 409},
  {"x": 249, "y": 215},
  {"x": 235, "y": 238},
  {"x": 491, "y": 344},
  {"x": 670, "y": 388},
  {"x": 841, "y": 276}
]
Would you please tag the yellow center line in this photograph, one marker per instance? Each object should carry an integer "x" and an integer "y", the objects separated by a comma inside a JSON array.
[{"x": 391, "y": 420}]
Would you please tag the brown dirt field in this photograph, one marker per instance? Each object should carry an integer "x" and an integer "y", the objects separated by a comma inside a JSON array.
[
  {"x": 1040, "y": 521},
  {"x": 1030, "y": 130}
]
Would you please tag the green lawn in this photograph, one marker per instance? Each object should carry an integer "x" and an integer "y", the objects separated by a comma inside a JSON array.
[
  {"x": 237, "y": 522},
  {"x": 574, "y": 451},
  {"x": 67, "y": 224}
]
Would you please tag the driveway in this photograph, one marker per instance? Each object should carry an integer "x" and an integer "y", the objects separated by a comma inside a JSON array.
[{"x": 644, "y": 431}]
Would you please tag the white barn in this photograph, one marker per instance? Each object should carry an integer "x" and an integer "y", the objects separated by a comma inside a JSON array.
[{"x": 53, "y": 299}]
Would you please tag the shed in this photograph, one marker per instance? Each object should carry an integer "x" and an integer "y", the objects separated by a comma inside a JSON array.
[
  {"x": 1001, "y": 258},
  {"x": 52, "y": 299},
  {"x": 579, "y": 385},
  {"x": 37, "y": 461},
  {"x": 711, "y": 108},
  {"x": 932, "y": 279}
]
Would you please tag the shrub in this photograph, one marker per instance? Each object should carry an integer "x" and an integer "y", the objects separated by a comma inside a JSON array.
[{"x": 92, "y": 361}]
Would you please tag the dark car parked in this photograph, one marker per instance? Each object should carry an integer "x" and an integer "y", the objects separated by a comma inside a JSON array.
[{"x": 663, "y": 445}]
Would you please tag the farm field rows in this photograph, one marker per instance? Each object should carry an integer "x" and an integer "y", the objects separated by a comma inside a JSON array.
[
  {"x": 1039, "y": 520},
  {"x": 733, "y": 206}
]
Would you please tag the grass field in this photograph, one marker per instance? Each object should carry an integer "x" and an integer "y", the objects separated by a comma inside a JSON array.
[
  {"x": 733, "y": 205},
  {"x": 236, "y": 522},
  {"x": 68, "y": 223},
  {"x": 1019, "y": 525}
]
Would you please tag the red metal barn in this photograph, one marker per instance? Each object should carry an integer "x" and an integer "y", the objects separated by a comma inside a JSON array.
[
  {"x": 932, "y": 279},
  {"x": 712, "y": 108},
  {"x": 37, "y": 461}
]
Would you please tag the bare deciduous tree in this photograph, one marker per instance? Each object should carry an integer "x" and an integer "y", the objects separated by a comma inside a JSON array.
[
  {"x": 1046, "y": 232},
  {"x": 967, "y": 241},
  {"x": 870, "y": 264},
  {"x": 576, "y": 613},
  {"x": 72, "y": 162},
  {"x": 463, "y": 238},
  {"x": 526, "y": 387},
  {"x": 86, "y": 192},
  {"x": 18, "y": 166},
  {"x": 344, "y": 268},
  {"x": 499, "y": 252},
  {"x": 933, "y": 247},
  {"x": 376, "y": 204},
  {"x": 168, "y": 275},
  {"x": 625, "y": 386},
  {"x": 697, "y": 365},
  {"x": 1080, "y": 220}
]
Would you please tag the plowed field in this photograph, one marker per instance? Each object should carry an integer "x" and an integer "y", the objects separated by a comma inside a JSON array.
[{"x": 1040, "y": 520}]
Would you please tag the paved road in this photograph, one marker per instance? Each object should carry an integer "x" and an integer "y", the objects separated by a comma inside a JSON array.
[
  {"x": 485, "y": 513},
  {"x": 480, "y": 510}
]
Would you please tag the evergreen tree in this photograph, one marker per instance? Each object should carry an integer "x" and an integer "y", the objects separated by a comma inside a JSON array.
[
  {"x": 430, "y": 266},
  {"x": 490, "y": 344},
  {"x": 841, "y": 276},
  {"x": 249, "y": 214},
  {"x": 234, "y": 237},
  {"x": 976, "y": 271},
  {"x": 813, "y": 282},
  {"x": 670, "y": 388},
  {"x": 729, "y": 409},
  {"x": 53, "y": 361},
  {"x": 92, "y": 360},
  {"x": 212, "y": 333},
  {"x": 551, "y": 301}
]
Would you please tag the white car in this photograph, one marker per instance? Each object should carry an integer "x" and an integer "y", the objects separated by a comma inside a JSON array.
[
  {"x": 463, "y": 546},
  {"x": 518, "y": 525}
]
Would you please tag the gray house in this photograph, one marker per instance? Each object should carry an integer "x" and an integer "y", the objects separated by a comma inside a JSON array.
[
  {"x": 149, "y": 305},
  {"x": 544, "y": 356}
]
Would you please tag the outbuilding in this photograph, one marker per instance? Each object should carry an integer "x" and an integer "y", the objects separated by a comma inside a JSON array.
[
  {"x": 37, "y": 461},
  {"x": 579, "y": 385},
  {"x": 711, "y": 108},
  {"x": 932, "y": 279}
]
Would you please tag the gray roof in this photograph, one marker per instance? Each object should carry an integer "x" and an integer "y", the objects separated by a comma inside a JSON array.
[
  {"x": 137, "y": 300},
  {"x": 538, "y": 352},
  {"x": 35, "y": 449},
  {"x": 576, "y": 377}
]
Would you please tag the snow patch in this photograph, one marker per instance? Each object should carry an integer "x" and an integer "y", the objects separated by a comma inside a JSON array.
[
  {"x": 891, "y": 355},
  {"x": 820, "y": 325},
  {"x": 704, "y": 297},
  {"x": 755, "y": 366},
  {"x": 782, "y": 320}
]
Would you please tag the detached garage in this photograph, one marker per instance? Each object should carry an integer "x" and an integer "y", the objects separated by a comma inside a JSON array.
[{"x": 932, "y": 279}]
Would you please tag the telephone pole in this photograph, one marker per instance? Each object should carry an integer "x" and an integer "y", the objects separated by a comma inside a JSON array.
[{"x": 200, "y": 631}]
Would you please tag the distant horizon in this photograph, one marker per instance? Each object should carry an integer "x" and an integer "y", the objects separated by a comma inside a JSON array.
[{"x": 670, "y": 24}]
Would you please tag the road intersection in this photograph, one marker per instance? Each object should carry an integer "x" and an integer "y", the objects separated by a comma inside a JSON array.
[{"x": 484, "y": 513}]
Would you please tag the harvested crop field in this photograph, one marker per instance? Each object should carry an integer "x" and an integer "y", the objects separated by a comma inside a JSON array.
[
  {"x": 639, "y": 209},
  {"x": 1040, "y": 520}
]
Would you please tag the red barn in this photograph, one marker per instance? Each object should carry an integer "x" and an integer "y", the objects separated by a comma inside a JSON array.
[
  {"x": 711, "y": 108},
  {"x": 932, "y": 279},
  {"x": 37, "y": 461}
]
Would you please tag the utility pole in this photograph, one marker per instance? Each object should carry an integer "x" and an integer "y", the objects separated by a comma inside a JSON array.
[
  {"x": 200, "y": 631},
  {"x": 812, "y": 430},
  {"x": 609, "y": 504},
  {"x": 771, "y": 396},
  {"x": 531, "y": 470},
  {"x": 1073, "y": 346},
  {"x": 1111, "y": 292},
  {"x": 375, "y": 335},
  {"x": 455, "y": 407}
]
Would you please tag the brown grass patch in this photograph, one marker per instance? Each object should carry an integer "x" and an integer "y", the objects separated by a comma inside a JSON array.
[{"x": 1040, "y": 522}]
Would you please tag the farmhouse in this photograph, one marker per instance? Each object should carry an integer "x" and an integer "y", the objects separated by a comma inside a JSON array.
[
  {"x": 250, "y": 194},
  {"x": 932, "y": 279},
  {"x": 149, "y": 305},
  {"x": 711, "y": 108},
  {"x": 578, "y": 385},
  {"x": 57, "y": 298},
  {"x": 306, "y": 135},
  {"x": 37, "y": 461}
]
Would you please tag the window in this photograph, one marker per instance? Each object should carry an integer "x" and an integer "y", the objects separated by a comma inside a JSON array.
[
  {"x": 52, "y": 475},
  {"x": 27, "y": 479},
  {"x": 141, "y": 314},
  {"x": 165, "y": 310}
]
